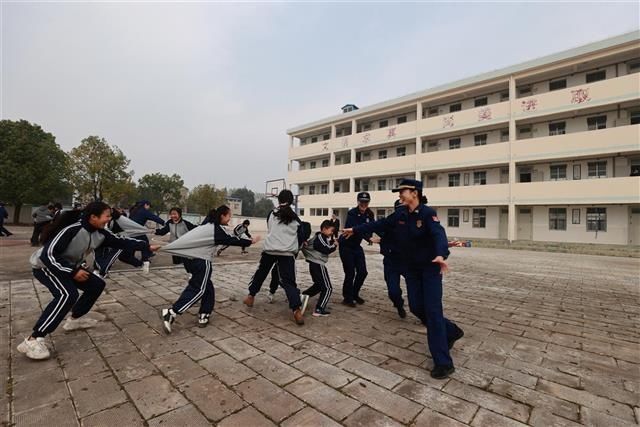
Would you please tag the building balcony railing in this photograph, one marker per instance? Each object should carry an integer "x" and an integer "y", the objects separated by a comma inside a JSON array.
[
  {"x": 482, "y": 155},
  {"x": 584, "y": 191}
]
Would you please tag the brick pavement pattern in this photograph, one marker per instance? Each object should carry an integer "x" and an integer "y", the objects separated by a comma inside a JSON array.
[{"x": 550, "y": 339}]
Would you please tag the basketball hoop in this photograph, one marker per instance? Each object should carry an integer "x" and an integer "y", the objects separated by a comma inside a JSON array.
[{"x": 273, "y": 187}]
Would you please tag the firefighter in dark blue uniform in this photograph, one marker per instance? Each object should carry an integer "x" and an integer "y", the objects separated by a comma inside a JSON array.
[
  {"x": 394, "y": 266},
  {"x": 423, "y": 244},
  {"x": 352, "y": 254}
]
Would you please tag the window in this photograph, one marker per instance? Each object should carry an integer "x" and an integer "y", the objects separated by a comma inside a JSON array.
[
  {"x": 635, "y": 117},
  {"x": 634, "y": 170},
  {"x": 480, "y": 178},
  {"x": 524, "y": 91},
  {"x": 596, "y": 76},
  {"x": 382, "y": 154},
  {"x": 301, "y": 211},
  {"x": 366, "y": 127},
  {"x": 525, "y": 132},
  {"x": 382, "y": 184},
  {"x": 504, "y": 135},
  {"x": 465, "y": 215},
  {"x": 455, "y": 107},
  {"x": 479, "y": 102},
  {"x": 596, "y": 219},
  {"x": 432, "y": 146},
  {"x": 557, "y": 218},
  {"x": 365, "y": 155},
  {"x": 480, "y": 139},
  {"x": 466, "y": 179},
  {"x": 401, "y": 151},
  {"x": 525, "y": 174},
  {"x": 453, "y": 218},
  {"x": 337, "y": 187},
  {"x": 577, "y": 172},
  {"x": 312, "y": 165},
  {"x": 558, "y": 84},
  {"x": 558, "y": 128},
  {"x": 479, "y": 218},
  {"x": 504, "y": 96},
  {"x": 598, "y": 122},
  {"x": 558, "y": 172},
  {"x": 575, "y": 216},
  {"x": 314, "y": 139},
  {"x": 432, "y": 111},
  {"x": 358, "y": 157},
  {"x": 301, "y": 189},
  {"x": 325, "y": 212},
  {"x": 325, "y": 163},
  {"x": 402, "y": 119},
  {"x": 312, "y": 189},
  {"x": 454, "y": 143},
  {"x": 383, "y": 123},
  {"x": 633, "y": 66},
  {"x": 432, "y": 181},
  {"x": 364, "y": 185},
  {"x": 324, "y": 189},
  {"x": 312, "y": 212},
  {"x": 326, "y": 136},
  {"x": 597, "y": 169},
  {"x": 454, "y": 180},
  {"x": 380, "y": 213}
]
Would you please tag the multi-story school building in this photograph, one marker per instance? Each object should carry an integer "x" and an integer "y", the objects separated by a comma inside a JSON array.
[{"x": 546, "y": 150}]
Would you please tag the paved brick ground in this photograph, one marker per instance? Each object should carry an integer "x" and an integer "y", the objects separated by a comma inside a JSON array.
[{"x": 551, "y": 339}]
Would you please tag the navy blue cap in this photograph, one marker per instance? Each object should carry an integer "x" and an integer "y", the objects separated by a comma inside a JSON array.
[
  {"x": 409, "y": 184},
  {"x": 364, "y": 197}
]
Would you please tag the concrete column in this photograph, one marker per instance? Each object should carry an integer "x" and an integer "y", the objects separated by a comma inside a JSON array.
[
  {"x": 291, "y": 141},
  {"x": 330, "y": 191},
  {"x": 352, "y": 185},
  {"x": 513, "y": 218},
  {"x": 333, "y": 131},
  {"x": 354, "y": 127},
  {"x": 332, "y": 159},
  {"x": 419, "y": 110},
  {"x": 353, "y": 156}
]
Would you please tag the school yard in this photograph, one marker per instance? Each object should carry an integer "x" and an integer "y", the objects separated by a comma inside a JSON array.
[{"x": 550, "y": 339}]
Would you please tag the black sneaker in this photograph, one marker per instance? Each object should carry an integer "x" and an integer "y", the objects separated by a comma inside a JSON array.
[
  {"x": 442, "y": 371},
  {"x": 359, "y": 300},
  {"x": 348, "y": 303},
  {"x": 203, "y": 320},
  {"x": 168, "y": 317},
  {"x": 318, "y": 312},
  {"x": 459, "y": 334},
  {"x": 402, "y": 313}
]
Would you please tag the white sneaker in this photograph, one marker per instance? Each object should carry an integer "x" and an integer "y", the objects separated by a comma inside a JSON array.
[
  {"x": 145, "y": 266},
  {"x": 34, "y": 348},
  {"x": 203, "y": 320},
  {"x": 97, "y": 273},
  {"x": 81, "y": 323},
  {"x": 305, "y": 301},
  {"x": 271, "y": 297},
  {"x": 168, "y": 317}
]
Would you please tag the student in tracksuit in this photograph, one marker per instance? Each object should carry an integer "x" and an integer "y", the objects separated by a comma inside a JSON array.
[
  {"x": 317, "y": 251},
  {"x": 141, "y": 214},
  {"x": 60, "y": 266},
  {"x": 281, "y": 246},
  {"x": 200, "y": 287},
  {"x": 352, "y": 254},
  {"x": 393, "y": 267},
  {"x": 176, "y": 226},
  {"x": 424, "y": 247},
  {"x": 240, "y": 230},
  {"x": 105, "y": 257},
  {"x": 4, "y": 215},
  {"x": 41, "y": 218}
]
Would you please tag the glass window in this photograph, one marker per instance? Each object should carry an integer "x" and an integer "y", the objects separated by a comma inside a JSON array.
[
  {"x": 596, "y": 76},
  {"x": 312, "y": 165},
  {"x": 598, "y": 122},
  {"x": 454, "y": 143},
  {"x": 479, "y": 218},
  {"x": 382, "y": 154},
  {"x": 480, "y": 178},
  {"x": 558, "y": 172},
  {"x": 401, "y": 151},
  {"x": 558, "y": 128},
  {"x": 504, "y": 135},
  {"x": 480, "y": 139},
  {"x": 558, "y": 84},
  {"x": 402, "y": 119},
  {"x": 596, "y": 219},
  {"x": 312, "y": 189},
  {"x": 325, "y": 163},
  {"x": 557, "y": 218},
  {"x": 382, "y": 184},
  {"x": 597, "y": 169},
  {"x": 383, "y": 123},
  {"x": 454, "y": 180},
  {"x": 455, "y": 107},
  {"x": 453, "y": 217},
  {"x": 324, "y": 188},
  {"x": 479, "y": 102}
]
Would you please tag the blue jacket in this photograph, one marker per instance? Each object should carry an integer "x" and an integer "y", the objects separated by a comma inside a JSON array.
[
  {"x": 356, "y": 218},
  {"x": 3, "y": 214},
  {"x": 418, "y": 235},
  {"x": 142, "y": 215}
]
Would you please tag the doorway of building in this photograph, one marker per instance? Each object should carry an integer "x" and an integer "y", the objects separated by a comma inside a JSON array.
[{"x": 525, "y": 224}]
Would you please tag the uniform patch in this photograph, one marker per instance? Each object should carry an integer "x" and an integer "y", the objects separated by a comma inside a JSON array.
[
  {"x": 435, "y": 218},
  {"x": 419, "y": 223},
  {"x": 401, "y": 222}
]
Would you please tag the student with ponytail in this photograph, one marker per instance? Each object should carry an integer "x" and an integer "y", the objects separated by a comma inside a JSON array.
[
  {"x": 60, "y": 265},
  {"x": 285, "y": 236}
]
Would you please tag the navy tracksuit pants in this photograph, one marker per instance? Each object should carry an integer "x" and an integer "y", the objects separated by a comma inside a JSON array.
[
  {"x": 105, "y": 257},
  {"x": 321, "y": 285},
  {"x": 355, "y": 271},
  {"x": 66, "y": 297},
  {"x": 275, "y": 279},
  {"x": 199, "y": 288},
  {"x": 424, "y": 289},
  {"x": 392, "y": 273},
  {"x": 286, "y": 265}
]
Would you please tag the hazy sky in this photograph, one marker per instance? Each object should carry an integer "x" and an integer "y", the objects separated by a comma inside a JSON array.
[{"x": 207, "y": 90}]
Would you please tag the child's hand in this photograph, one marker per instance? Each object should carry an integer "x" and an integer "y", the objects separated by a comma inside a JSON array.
[
  {"x": 81, "y": 275},
  {"x": 444, "y": 267},
  {"x": 347, "y": 232},
  {"x": 255, "y": 240},
  {"x": 154, "y": 248},
  {"x": 375, "y": 240}
]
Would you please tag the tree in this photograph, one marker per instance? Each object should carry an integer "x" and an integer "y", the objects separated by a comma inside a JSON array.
[
  {"x": 162, "y": 191},
  {"x": 248, "y": 200},
  {"x": 98, "y": 170},
  {"x": 33, "y": 168},
  {"x": 205, "y": 197},
  {"x": 263, "y": 207}
]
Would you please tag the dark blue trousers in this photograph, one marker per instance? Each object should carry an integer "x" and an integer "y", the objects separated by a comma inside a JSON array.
[
  {"x": 105, "y": 257},
  {"x": 424, "y": 290},
  {"x": 355, "y": 271},
  {"x": 286, "y": 270},
  {"x": 65, "y": 298},
  {"x": 392, "y": 272},
  {"x": 199, "y": 288}
]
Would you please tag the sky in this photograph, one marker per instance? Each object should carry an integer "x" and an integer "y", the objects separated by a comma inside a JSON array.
[{"x": 208, "y": 90}]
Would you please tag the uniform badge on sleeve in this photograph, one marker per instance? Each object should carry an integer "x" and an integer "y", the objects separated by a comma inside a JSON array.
[
  {"x": 419, "y": 223},
  {"x": 435, "y": 219}
]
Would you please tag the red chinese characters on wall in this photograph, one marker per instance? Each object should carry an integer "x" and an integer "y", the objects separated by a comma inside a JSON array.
[
  {"x": 447, "y": 121},
  {"x": 484, "y": 114},
  {"x": 579, "y": 96},
  {"x": 529, "y": 104},
  {"x": 325, "y": 146},
  {"x": 392, "y": 132}
]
